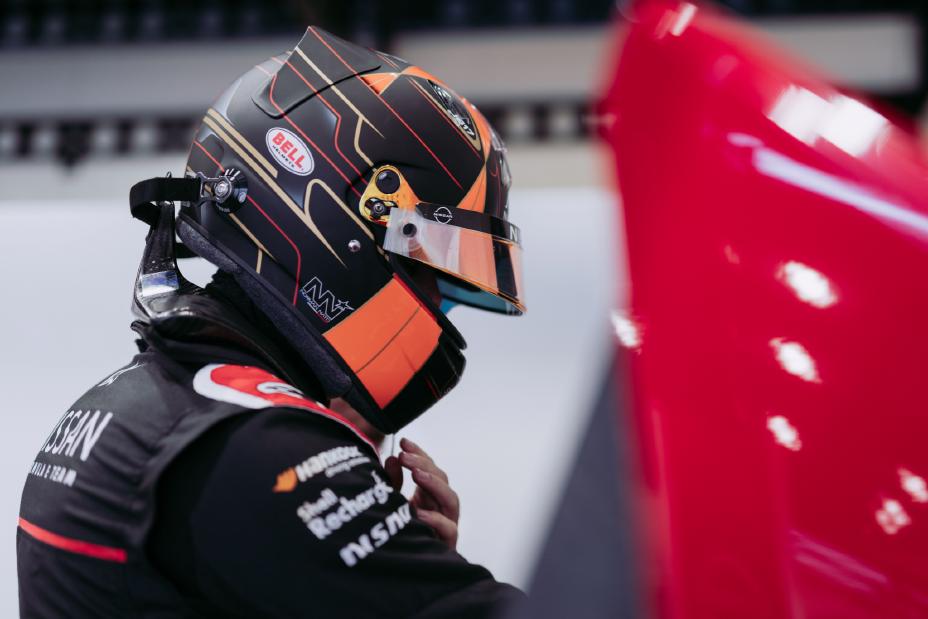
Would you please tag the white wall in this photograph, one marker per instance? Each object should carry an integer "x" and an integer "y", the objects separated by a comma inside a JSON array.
[{"x": 505, "y": 435}]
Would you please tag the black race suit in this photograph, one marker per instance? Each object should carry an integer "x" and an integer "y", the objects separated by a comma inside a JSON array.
[{"x": 194, "y": 482}]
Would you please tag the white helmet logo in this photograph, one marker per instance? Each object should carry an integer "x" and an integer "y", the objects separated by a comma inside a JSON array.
[
  {"x": 442, "y": 215},
  {"x": 289, "y": 151}
]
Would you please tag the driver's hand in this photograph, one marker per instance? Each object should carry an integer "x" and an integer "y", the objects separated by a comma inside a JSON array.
[{"x": 436, "y": 503}]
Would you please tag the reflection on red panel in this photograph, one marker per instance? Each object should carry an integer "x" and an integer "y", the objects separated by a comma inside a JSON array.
[{"x": 777, "y": 235}]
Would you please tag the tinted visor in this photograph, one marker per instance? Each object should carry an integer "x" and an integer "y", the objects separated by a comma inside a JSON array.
[{"x": 480, "y": 255}]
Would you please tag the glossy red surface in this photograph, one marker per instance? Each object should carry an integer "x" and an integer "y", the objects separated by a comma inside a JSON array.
[{"x": 777, "y": 236}]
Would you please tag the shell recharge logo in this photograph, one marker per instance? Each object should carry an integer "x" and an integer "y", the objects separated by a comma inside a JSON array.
[{"x": 289, "y": 151}]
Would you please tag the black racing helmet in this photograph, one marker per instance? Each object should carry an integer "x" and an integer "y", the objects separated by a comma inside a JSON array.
[{"x": 346, "y": 166}]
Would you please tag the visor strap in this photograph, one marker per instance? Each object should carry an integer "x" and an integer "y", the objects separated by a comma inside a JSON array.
[
  {"x": 470, "y": 220},
  {"x": 145, "y": 196}
]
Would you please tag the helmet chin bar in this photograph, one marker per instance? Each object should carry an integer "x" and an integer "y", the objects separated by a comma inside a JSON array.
[{"x": 447, "y": 326}]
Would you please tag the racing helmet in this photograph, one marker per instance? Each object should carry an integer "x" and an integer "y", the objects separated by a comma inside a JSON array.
[{"x": 331, "y": 169}]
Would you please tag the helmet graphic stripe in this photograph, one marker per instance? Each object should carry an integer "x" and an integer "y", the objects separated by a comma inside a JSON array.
[
  {"x": 443, "y": 114},
  {"x": 386, "y": 59},
  {"x": 389, "y": 107},
  {"x": 337, "y": 90},
  {"x": 360, "y": 337},
  {"x": 307, "y": 138},
  {"x": 219, "y": 118},
  {"x": 337, "y": 199},
  {"x": 285, "y": 198},
  {"x": 357, "y": 145},
  {"x": 338, "y": 116},
  {"x": 387, "y": 373},
  {"x": 299, "y": 258}
]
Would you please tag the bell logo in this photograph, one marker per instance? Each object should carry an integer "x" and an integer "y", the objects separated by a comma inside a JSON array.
[{"x": 289, "y": 151}]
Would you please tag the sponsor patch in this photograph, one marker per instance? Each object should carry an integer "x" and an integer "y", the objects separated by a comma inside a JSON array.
[
  {"x": 344, "y": 510},
  {"x": 331, "y": 462},
  {"x": 54, "y": 472},
  {"x": 289, "y": 151},
  {"x": 379, "y": 535},
  {"x": 76, "y": 434}
]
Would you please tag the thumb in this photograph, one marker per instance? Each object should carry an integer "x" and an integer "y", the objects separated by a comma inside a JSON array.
[{"x": 394, "y": 472}]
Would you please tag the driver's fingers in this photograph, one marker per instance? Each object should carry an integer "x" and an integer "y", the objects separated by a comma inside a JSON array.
[
  {"x": 444, "y": 527},
  {"x": 423, "y": 499},
  {"x": 414, "y": 461},
  {"x": 447, "y": 499},
  {"x": 411, "y": 447},
  {"x": 394, "y": 472}
]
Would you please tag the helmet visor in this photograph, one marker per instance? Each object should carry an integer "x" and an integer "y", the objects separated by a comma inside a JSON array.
[{"x": 481, "y": 253}]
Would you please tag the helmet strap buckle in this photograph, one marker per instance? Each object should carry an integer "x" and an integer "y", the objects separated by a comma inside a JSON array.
[{"x": 227, "y": 192}]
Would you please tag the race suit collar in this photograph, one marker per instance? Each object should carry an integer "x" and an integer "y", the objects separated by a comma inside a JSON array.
[{"x": 201, "y": 326}]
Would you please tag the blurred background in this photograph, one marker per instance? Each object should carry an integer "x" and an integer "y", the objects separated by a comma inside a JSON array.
[{"x": 96, "y": 95}]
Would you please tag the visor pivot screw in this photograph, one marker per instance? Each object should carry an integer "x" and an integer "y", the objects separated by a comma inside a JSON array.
[
  {"x": 354, "y": 246},
  {"x": 378, "y": 208},
  {"x": 388, "y": 181},
  {"x": 222, "y": 190},
  {"x": 226, "y": 192},
  {"x": 409, "y": 230}
]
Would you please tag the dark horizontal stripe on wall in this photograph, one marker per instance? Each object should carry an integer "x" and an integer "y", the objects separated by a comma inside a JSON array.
[
  {"x": 50, "y": 23},
  {"x": 71, "y": 140},
  {"x": 63, "y": 22}
]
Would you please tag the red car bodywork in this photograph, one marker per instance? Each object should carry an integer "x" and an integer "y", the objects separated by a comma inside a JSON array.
[{"x": 777, "y": 238}]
